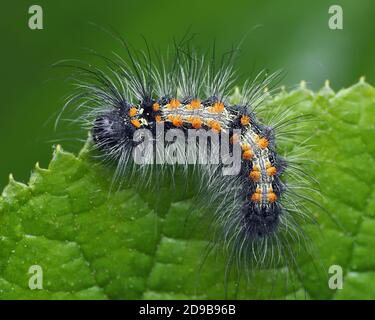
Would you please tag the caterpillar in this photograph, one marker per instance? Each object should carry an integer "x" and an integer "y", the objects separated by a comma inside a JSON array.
[{"x": 257, "y": 213}]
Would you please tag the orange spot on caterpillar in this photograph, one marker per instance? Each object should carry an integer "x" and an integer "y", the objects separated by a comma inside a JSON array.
[
  {"x": 135, "y": 123},
  {"x": 256, "y": 196},
  {"x": 196, "y": 122},
  {"x": 158, "y": 118},
  {"x": 132, "y": 111},
  {"x": 245, "y": 120},
  {"x": 156, "y": 106},
  {"x": 245, "y": 147},
  {"x": 254, "y": 174},
  {"x": 174, "y": 103},
  {"x": 247, "y": 155},
  {"x": 215, "y": 126},
  {"x": 195, "y": 104},
  {"x": 177, "y": 121},
  {"x": 170, "y": 118},
  {"x": 271, "y": 197},
  {"x": 218, "y": 107},
  {"x": 263, "y": 143},
  {"x": 271, "y": 171}
]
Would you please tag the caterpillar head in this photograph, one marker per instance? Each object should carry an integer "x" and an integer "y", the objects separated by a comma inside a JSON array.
[
  {"x": 113, "y": 130},
  {"x": 260, "y": 220}
]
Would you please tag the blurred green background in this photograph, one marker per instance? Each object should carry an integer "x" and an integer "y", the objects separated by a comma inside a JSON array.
[{"x": 291, "y": 34}]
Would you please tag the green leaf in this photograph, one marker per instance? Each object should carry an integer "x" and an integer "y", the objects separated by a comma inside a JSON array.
[{"x": 133, "y": 244}]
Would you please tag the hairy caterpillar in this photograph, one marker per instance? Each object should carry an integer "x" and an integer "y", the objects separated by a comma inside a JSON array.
[{"x": 256, "y": 212}]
